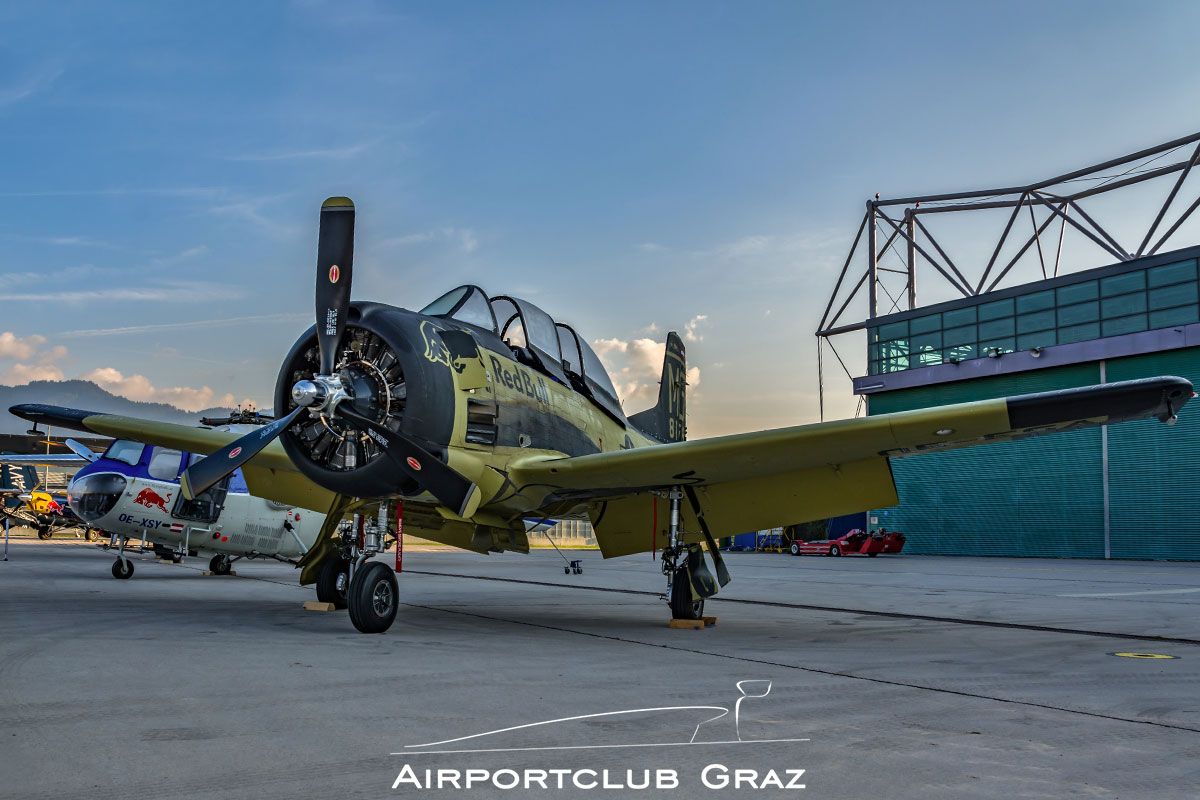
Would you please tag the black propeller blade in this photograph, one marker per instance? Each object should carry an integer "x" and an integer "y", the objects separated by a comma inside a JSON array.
[
  {"x": 450, "y": 488},
  {"x": 325, "y": 395},
  {"x": 335, "y": 262},
  {"x": 209, "y": 472}
]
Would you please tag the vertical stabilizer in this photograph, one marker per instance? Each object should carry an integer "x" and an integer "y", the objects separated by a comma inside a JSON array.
[{"x": 667, "y": 420}]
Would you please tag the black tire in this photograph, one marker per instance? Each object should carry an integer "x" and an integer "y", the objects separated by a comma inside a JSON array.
[
  {"x": 122, "y": 569},
  {"x": 834, "y": 550},
  {"x": 327, "y": 582},
  {"x": 219, "y": 564},
  {"x": 795, "y": 548},
  {"x": 44, "y": 533},
  {"x": 176, "y": 558},
  {"x": 91, "y": 534},
  {"x": 872, "y": 555},
  {"x": 682, "y": 604},
  {"x": 373, "y": 598}
]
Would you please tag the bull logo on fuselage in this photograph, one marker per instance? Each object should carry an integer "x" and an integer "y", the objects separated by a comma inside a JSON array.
[
  {"x": 435, "y": 350},
  {"x": 152, "y": 499}
]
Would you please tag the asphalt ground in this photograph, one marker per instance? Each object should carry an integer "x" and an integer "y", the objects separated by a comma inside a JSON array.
[{"x": 891, "y": 677}]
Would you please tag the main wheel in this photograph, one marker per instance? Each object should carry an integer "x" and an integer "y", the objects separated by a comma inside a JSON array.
[
  {"x": 122, "y": 568},
  {"x": 834, "y": 550},
  {"x": 44, "y": 532},
  {"x": 333, "y": 580},
  {"x": 91, "y": 534},
  {"x": 176, "y": 558},
  {"x": 373, "y": 598},
  {"x": 219, "y": 564},
  {"x": 682, "y": 604},
  {"x": 795, "y": 548}
]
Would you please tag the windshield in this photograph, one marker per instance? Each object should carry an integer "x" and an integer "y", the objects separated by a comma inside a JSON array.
[{"x": 467, "y": 304}]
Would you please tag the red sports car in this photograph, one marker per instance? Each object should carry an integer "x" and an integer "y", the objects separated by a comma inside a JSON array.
[{"x": 856, "y": 541}]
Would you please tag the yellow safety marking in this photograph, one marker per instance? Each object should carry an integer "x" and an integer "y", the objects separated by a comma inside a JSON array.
[{"x": 1142, "y": 655}]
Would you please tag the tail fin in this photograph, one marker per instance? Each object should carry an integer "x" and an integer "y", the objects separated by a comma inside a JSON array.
[
  {"x": 15, "y": 478},
  {"x": 667, "y": 420}
]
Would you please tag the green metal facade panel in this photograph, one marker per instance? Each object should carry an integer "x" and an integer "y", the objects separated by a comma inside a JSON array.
[
  {"x": 1154, "y": 483},
  {"x": 1036, "y": 497},
  {"x": 1044, "y": 496}
]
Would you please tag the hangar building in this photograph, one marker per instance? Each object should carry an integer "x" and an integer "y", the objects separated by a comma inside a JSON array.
[{"x": 1125, "y": 491}]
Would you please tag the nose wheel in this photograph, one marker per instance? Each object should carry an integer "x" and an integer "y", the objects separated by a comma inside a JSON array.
[{"x": 122, "y": 568}]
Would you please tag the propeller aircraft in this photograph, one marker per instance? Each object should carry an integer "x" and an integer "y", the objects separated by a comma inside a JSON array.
[{"x": 465, "y": 418}]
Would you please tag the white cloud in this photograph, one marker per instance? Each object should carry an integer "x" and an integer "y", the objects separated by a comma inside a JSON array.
[
  {"x": 138, "y": 387},
  {"x": 31, "y": 85},
  {"x": 20, "y": 374},
  {"x": 605, "y": 346},
  {"x": 689, "y": 328},
  {"x": 13, "y": 346},
  {"x": 635, "y": 366},
  {"x": 464, "y": 239}
]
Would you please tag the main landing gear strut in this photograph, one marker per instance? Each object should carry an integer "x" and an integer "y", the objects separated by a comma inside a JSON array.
[{"x": 689, "y": 580}]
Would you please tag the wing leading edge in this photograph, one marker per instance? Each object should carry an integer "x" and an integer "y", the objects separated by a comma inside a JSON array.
[{"x": 790, "y": 475}]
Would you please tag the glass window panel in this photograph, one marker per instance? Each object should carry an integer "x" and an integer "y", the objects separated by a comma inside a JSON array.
[
  {"x": 1077, "y": 333},
  {"x": 1038, "y": 321},
  {"x": 957, "y": 336},
  {"x": 893, "y": 349},
  {"x": 1005, "y": 345},
  {"x": 1123, "y": 284},
  {"x": 960, "y": 352},
  {"x": 1130, "y": 324},
  {"x": 1167, "y": 274},
  {"x": 894, "y": 364},
  {"x": 996, "y": 328},
  {"x": 1080, "y": 312},
  {"x": 476, "y": 311},
  {"x": 1125, "y": 304},
  {"x": 445, "y": 303},
  {"x": 1175, "y": 316},
  {"x": 995, "y": 310},
  {"x": 932, "y": 322},
  {"x": 927, "y": 358},
  {"x": 126, "y": 451},
  {"x": 926, "y": 341},
  {"x": 1035, "y": 302},
  {"x": 1171, "y": 296},
  {"x": 896, "y": 330},
  {"x": 1077, "y": 292},
  {"x": 960, "y": 316},
  {"x": 1039, "y": 339},
  {"x": 164, "y": 464}
]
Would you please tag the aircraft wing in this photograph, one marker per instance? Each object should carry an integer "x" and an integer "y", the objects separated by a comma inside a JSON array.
[
  {"x": 269, "y": 474},
  {"x": 779, "y": 477},
  {"x": 55, "y": 460}
]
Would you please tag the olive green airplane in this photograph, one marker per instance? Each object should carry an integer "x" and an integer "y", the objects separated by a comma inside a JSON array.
[{"x": 478, "y": 415}]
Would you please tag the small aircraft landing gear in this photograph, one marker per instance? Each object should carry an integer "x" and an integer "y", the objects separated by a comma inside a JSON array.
[
  {"x": 333, "y": 582},
  {"x": 122, "y": 568},
  {"x": 91, "y": 534},
  {"x": 220, "y": 564},
  {"x": 373, "y": 597},
  {"x": 575, "y": 566},
  {"x": 44, "y": 532}
]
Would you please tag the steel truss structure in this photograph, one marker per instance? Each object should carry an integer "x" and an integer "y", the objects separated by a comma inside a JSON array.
[{"x": 899, "y": 220}]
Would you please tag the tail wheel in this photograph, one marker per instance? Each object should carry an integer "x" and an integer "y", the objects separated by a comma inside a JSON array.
[
  {"x": 683, "y": 606},
  {"x": 373, "y": 598},
  {"x": 333, "y": 582}
]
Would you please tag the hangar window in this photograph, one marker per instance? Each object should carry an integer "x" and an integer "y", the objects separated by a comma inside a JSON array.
[
  {"x": 1171, "y": 296},
  {"x": 1038, "y": 301},
  {"x": 1167, "y": 274},
  {"x": 1123, "y": 284},
  {"x": 1184, "y": 315}
]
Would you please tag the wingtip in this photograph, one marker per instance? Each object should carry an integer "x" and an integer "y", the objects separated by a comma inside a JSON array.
[{"x": 1160, "y": 398}]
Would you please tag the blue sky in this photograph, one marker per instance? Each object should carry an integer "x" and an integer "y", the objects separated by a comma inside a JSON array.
[{"x": 630, "y": 167}]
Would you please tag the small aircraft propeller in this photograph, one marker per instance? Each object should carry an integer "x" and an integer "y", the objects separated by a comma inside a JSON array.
[{"x": 324, "y": 395}]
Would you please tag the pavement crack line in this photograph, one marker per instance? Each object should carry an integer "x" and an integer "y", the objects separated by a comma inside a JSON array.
[
  {"x": 813, "y": 670},
  {"x": 838, "y": 610}
]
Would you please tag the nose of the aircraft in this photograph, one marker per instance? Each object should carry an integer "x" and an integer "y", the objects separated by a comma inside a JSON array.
[{"x": 92, "y": 496}]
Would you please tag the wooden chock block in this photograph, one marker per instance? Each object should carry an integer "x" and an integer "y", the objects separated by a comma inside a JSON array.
[
  {"x": 709, "y": 621},
  {"x": 313, "y": 605},
  {"x": 693, "y": 624}
]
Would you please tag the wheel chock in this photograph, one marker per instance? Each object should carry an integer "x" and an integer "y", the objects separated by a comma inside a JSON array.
[
  {"x": 313, "y": 605},
  {"x": 230, "y": 574},
  {"x": 693, "y": 624}
]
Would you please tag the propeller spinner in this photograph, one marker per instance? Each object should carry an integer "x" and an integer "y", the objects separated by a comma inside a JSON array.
[{"x": 323, "y": 395}]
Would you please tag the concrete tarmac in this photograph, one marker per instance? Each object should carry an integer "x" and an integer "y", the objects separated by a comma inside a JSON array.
[{"x": 890, "y": 677}]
